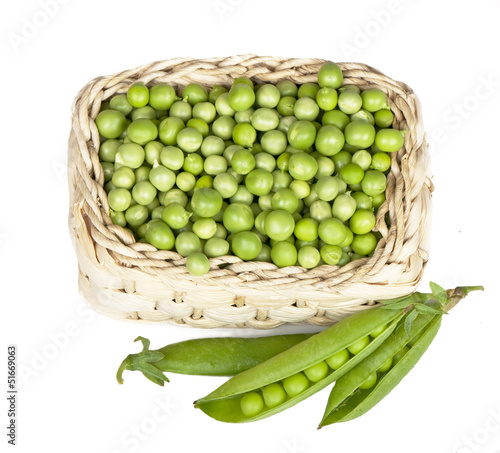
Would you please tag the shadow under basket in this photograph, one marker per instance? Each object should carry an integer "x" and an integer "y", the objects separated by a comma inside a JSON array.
[{"x": 130, "y": 280}]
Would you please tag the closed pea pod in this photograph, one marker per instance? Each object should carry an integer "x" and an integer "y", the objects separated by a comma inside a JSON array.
[{"x": 288, "y": 369}]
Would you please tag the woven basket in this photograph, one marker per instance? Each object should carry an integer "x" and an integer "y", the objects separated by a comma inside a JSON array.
[{"x": 125, "y": 279}]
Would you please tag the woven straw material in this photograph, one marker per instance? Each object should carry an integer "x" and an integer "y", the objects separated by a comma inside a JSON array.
[{"x": 125, "y": 279}]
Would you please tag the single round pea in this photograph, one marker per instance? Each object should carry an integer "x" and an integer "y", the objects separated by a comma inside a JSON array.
[
  {"x": 187, "y": 242},
  {"x": 201, "y": 126},
  {"x": 317, "y": 372},
  {"x": 386, "y": 366},
  {"x": 130, "y": 155},
  {"x": 222, "y": 105},
  {"x": 246, "y": 245},
  {"x": 108, "y": 150},
  {"x": 124, "y": 178},
  {"x": 265, "y": 119},
  {"x": 238, "y": 217},
  {"x": 162, "y": 178},
  {"x": 351, "y": 173},
  {"x": 284, "y": 254},
  {"x": 327, "y": 98},
  {"x": 173, "y": 196},
  {"x": 138, "y": 95},
  {"x": 330, "y": 75},
  {"x": 364, "y": 244},
  {"x": 349, "y": 102},
  {"x": 389, "y": 140},
  {"x": 362, "y": 158},
  {"x": 279, "y": 225},
  {"x": 306, "y": 229},
  {"x": 274, "y": 395},
  {"x": 274, "y": 142},
  {"x": 195, "y": 93},
  {"x": 374, "y": 99},
  {"x": 306, "y": 109},
  {"x": 181, "y": 110},
  {"x": 144, "y": 192},
  {"x": 243, "y": 161},
  {"x": 383, "y": 118},
  {"x": 332, "y": 231},
  {"x": 287, "y": 88},
  {"x": 161, "y": 96},
  {"x": 119, "y": 102},
  {"x": 265, "y": 254},
  {"x": 301, "y": 188},
  {"x": 119, "y": 199},
  {"x": 363, "y": 201},
  {"x": 136, "y": 215},
  {"x": 206, "y": 202},
  {"x": 285, "y": 199},
  {"x": 331, "y": 254},
  {"x": 338, "y": 359},
  {"x": 285, "y": 105},
  {"x": 265, "y": 161},
  {"x": 242, "y": 195},
  {"x": 214, "y": 165},
  {"x": 301, "y": 134},
  {"x": 308, "y": 89},
  {"x": 225, "y": 184},
  {"x": 335, "y": 118},
  {"x": 215, "y": 247},
  {"x": 118, "y": 218},
  {"x": 111, "y": 123},
  {"x": 360, "y": 134},
  {"x": 320, "y": 210},
  {"x": 362, "y": 221},
  {"x": 267, "y": 96},
  {"x": 259, "y": 182},
  {"x": 302, "y": 166},
  {"x": 359, "y": 345},
  {"x": 193, "y": 163},
  {"x": 241, "y": 97},
  {"x": 377, "y": 200},
  {"x": 251, "y": 403},
  {"x": 370, "y": 382},
  {"x": 189, "y": 140},
  {"x": 295, "y": 384},
  {"x": 160, "y": 235},
  {"x": 380, "y": 161},
  {"x": 157, "y": 212},
  {"x": 197, "y": 264},
  {"x": 374, "y": 183},
  {"x": 326, "y": 166},
  {"x": 147, "y": 112},
  {"x": 205, "y": 228},
  {"x": 329, "y": 140},
  {"x": 308, "y": 257},
  {"x": 176, "y": 216},
  {"x": 244, "y": 134},
  {"x": 172, "y": 157},
  {"x": 185, "y": 181},
  {"x": 168, "y": 130},
  {"x": 327, "y": 188},
  {"x": 363, "y": 115},
  {"x": 108, "y": 169}
]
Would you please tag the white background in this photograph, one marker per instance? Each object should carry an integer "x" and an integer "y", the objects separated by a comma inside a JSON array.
[{"x": 69, "y": 399}]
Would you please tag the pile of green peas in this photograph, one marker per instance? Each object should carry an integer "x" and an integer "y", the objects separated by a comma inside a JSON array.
[{"x": 289, "y": 174}]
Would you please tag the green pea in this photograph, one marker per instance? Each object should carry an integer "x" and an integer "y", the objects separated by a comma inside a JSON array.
[
  {"x": 301, "y": 134},
  {"x": 195, "y": 93},
  {"x": 168, "y": 130},
  {"x": 302, "y": 166},
  {"x": 193, "y": 163},
  {"x": 327, "y": 98},
  {"x": 118, "y": 218},
  {"x": 215, "y": 247},
  {"x": 259, "y": 182},
  {"x": 284, "y": 253},
  {"x": 136, "y": 215},
  {"x": 332, "y": 231},
  {"x": 338, "y": 359},
  {"x": 386, "y": 366},
  {"x": 124, "y": 178},
  {"x": 187, "y": 242},
  {"x": 380, "y": 161},
  {"x": 244, "y": 134},
  {"x": 111, "y": 123},
  {"x": 175, "y": 216},
  {"x": 335, "y": 118},
  {"x": 287, "y": 88},
  {"x": 238, "y": 217},
  {"x": 119, "y": 199},
  {"x": 242, "y": 195},
  {"x": 327, "y": 188},
  {"x": 360, "y": 134},
  {"x": 329, "y": 140},
  {"x": 374, "y": 99},
  {"x": 162, "y": 178},
  {"x": 241, "y": 97},
  {"x": 251, "y": 404},
  {"x": 205, "y": 228},
  {"x": 364, "y": 244},
  {"x": 383, "y": 118},
  {"x": 389, "y": 140},
  {"x": 308, "y": 257},
  {"x": 243, "y": 161},
  {"x": 225, "y": 184},
  {"x": 286, "y": 105},
  {"x": 330, "y": 75},
  {"x": 138, "y": 95},
  {"x": 119, "y": 102},
  {"x": 197, "y": 264},
  {"x": 160, "y": 235},
  {"x": 161, "y": 96},
  {"x": 185, "y": 181},
  {"x": 359, "y": 345},
  {"x": 265, "y": 119},
  {"x": 295, "y": 384},
  {"x": 274, "y": 395},
  {"x": 317, "y": 372},
  {"x": 308, "y": 89},
  {"x": 274, "y": 142},
  {"x": 265, "y": 161},
  {"x": 246, "y": 245},
  {"x": 369, "y": 382},
  {"x": 362, "y": 221}
]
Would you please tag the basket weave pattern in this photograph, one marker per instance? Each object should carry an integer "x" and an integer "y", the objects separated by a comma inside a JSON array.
[{"x": 125, "y": 279}]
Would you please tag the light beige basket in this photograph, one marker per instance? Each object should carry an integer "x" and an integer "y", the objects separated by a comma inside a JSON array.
[{"x": 125, "y": 279}]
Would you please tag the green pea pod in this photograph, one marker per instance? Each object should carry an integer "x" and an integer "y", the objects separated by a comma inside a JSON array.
[
  {"x": 347, "y": 401},
  {"x": 224, "y": 356},
  {"x": 225, "y": 403}
]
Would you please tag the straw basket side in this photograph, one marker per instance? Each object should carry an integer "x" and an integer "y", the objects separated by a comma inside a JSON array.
[{"x": 125, "y": 279}]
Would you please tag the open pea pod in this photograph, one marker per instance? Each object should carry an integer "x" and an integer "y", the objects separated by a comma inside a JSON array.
[
  {"x": 291, "y": 376},
  {"x": 349, "y": 399}
]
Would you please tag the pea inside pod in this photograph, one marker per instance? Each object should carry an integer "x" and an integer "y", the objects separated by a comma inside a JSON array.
[{"x": 300, "y": 371}]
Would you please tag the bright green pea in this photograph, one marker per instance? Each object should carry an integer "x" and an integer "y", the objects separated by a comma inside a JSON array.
[
  {"x": 317, "y": 372},
  {"x": 251, "y": 404},
  {"x": 363, "y": 115},
  {"x": 111, "y": 123},
  {"x": 386, "y": 366},
  {"x": 362, "y": 158},
  {"x": 306, "y": 109},
  {"x": 215, "y": 165},
  {"x": 265, "y": 254},
  {"x": 246, "y": 245},
  {"x": 108, "y": 169},
  {"x": 279, "y": 225},
  {"x": 119, "y": 102},
  {"x": 146, "y": 112},
  {"x": 259, "y": 182},
  {"x": 197, "y": 264},
  {"x": 212, "y": 145},
  {"x": 327, "y": 188},
  {"x": 222, "y": 105},
  {"x": 187, "y": 242},
  {"x": 332, "y": 231},
  {"x": 225, "y": 184},
  {"x": 359, "y": 345},
  {"x": 363, "y": 201},
  {"x": 380, "y": 161},
  {"x": 374, "y": 99},
  {"x": 144, "y": 192},
  {"x": 383, "y": 118},
  {"x": 175, "y": 216},
  {"x": 238, "y": 217},
  {"x": 244, "y": 80},
  {"x": 206, "y": 202},
  {"x": 138, "y": 95},
  {"x": 373, "y": 183},
  {"x": 242, "y": 195},
  {"x": 351, "y": 173},
  {"x": 193, "y": 163},
  {"x": 308, "y": 89},
  {"x": 360, "y": 134},
  {"x": 274, "y": 395},
  {"x": 327, "y": 98},
  {"x": 162, "y": 178},
  {"x": 161, "y": 96},
  {"x": 215, "y": 247},
  {"x": 244, "y": 116},
  {"x": 308, "y": 257},
  {"x": 160, "y": 235},
  {"x": 119, "y": 199},
  {"x": 172, "y": 157},
  {"x": 329, "y": 140},
  {"x": 265, "y": 161},
  {"x": 168, "y": 130},
  {"x": 189, "y": 140},
  {"x": 338, "y": 359},
  {"x": 201, "y": 126},
  {"x": 265, "y": 119},
  {"x": 362, "y": 221},
  {"x": 185, "y": 181},
  {"x": 301, "y": 134},
  {"x": 205, "y": 228},
  {"x": 124, "y": 178},
  {"x": 320, "y": 210},
  {"x": 302, "y": 166},
  {"x": 301, "y": 188},
  {"x": 244, "y": 134},
  {"x": 284, "y": 254},
  {"x": 241, "y": 97},
  {"x": 243, "y": 161},
  {"x": 136, "y": 215},
  {"x": 364, "y": 244},
  {"x": 331, "y": 254},
  {"x": 286, "y": 105},
  {"x": 389, "y": 140},
  {"x": 330, "y": 75},
  {"x": 195, "y": 93},
  {"x": 306, "y": 229},
  {"x": 173, "y": 196},
  {"x": 295, "y": 384},
  {"x": 181, "y": 110},
  {"x": 349, "y": 102},
  {"x": 287, "y": 88},
  {"x": 274, "y": 142},
  {"x": 267, "y": 96},
  {"x": 370, "y": 382},
  {"x": 377, "y": 200},
  {"x": 335, "y": 118},
  {"x": 108, "y": 150}
]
